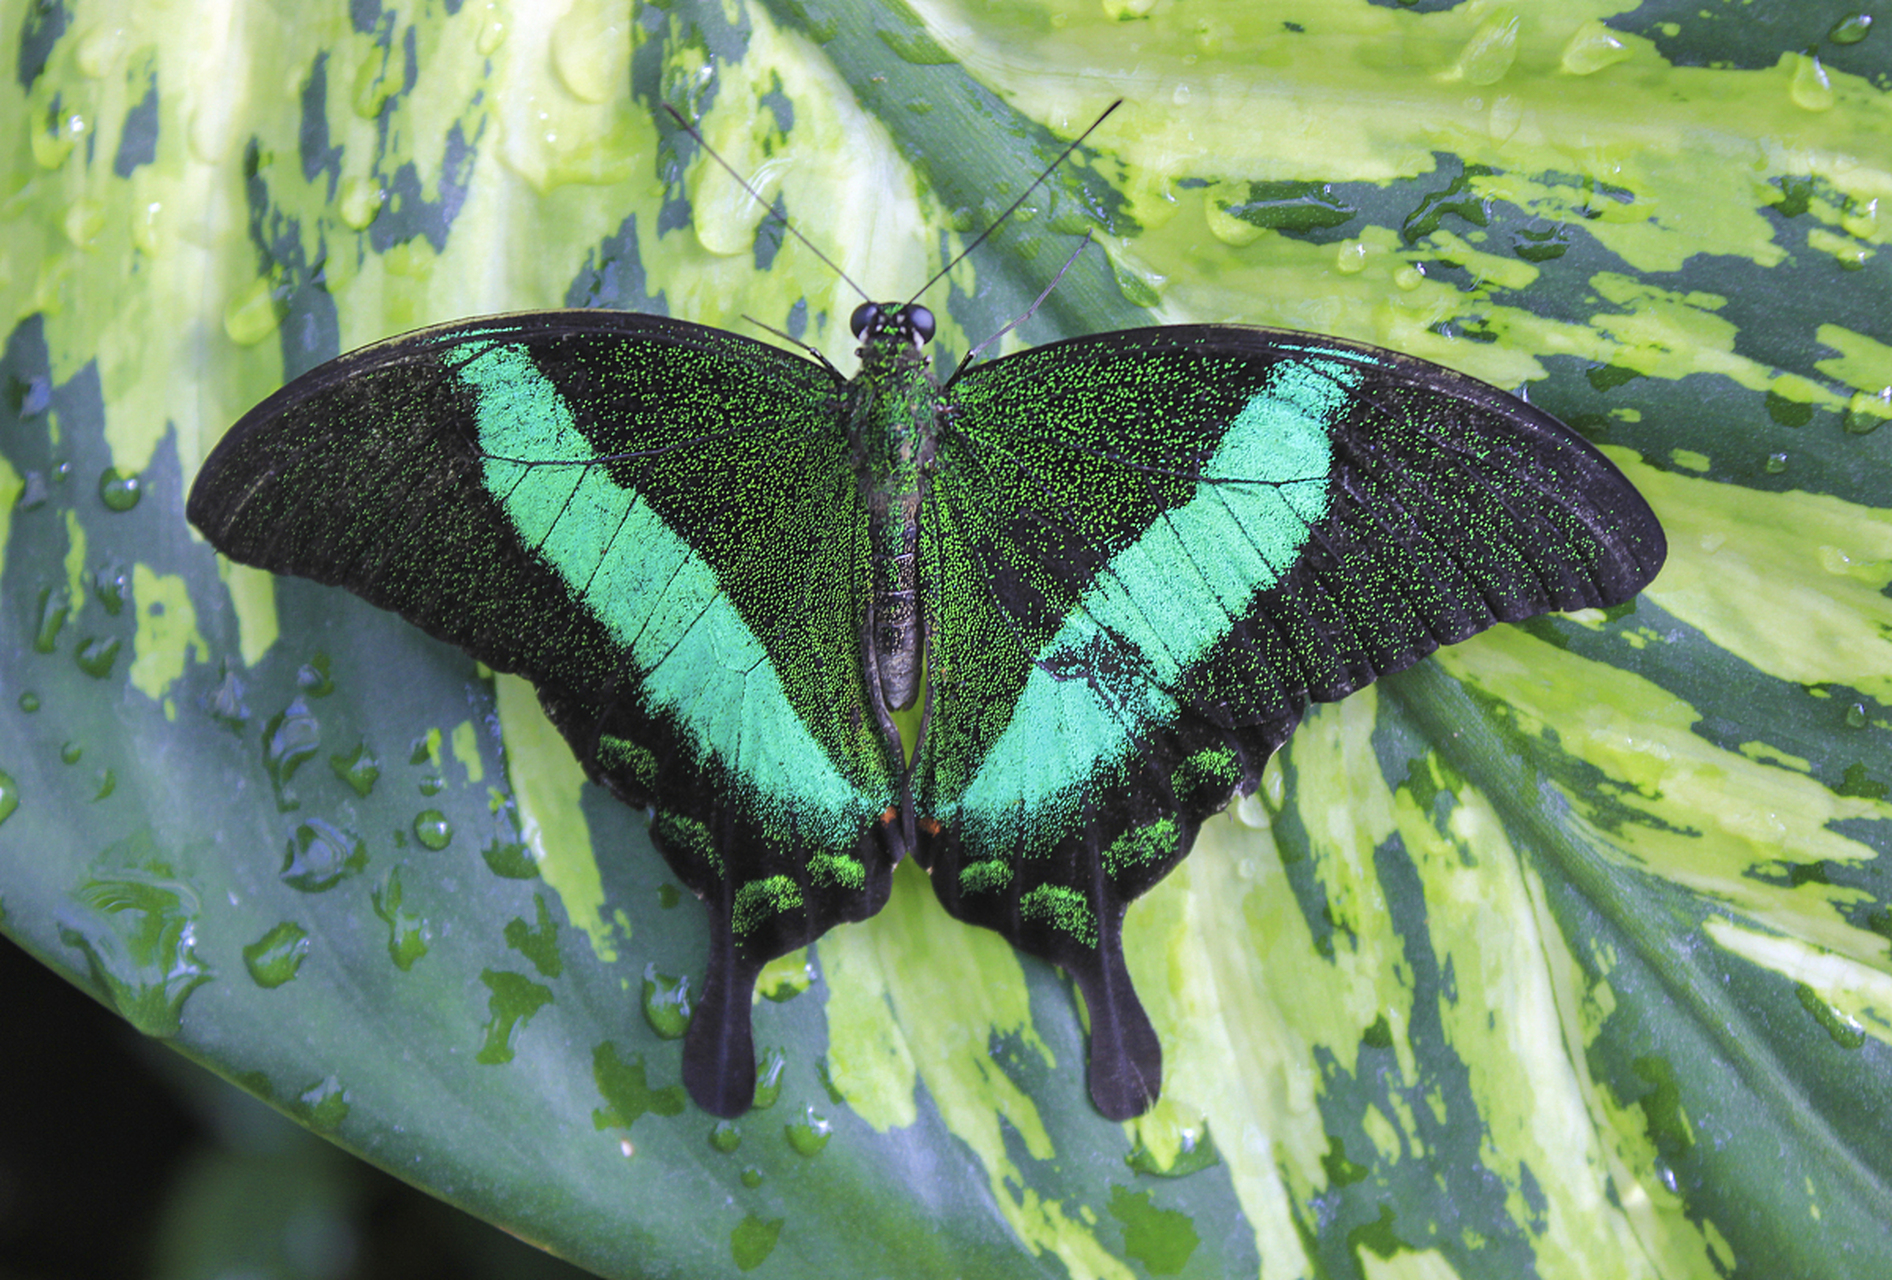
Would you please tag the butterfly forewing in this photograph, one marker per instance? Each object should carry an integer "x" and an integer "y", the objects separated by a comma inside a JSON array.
[
  {"x": 1147, "y": 551},
  {"x": 655, "y": 522}
]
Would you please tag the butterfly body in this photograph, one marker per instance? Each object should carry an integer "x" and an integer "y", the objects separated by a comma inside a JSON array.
[
  {"x": 1109, "y": 573},
  {"x": 890, "y": 412}
]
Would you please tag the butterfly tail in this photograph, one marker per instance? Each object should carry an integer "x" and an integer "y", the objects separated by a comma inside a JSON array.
[
  {"x": 1126, "y": 1058},
  {"x": 719, "y": 1047}
]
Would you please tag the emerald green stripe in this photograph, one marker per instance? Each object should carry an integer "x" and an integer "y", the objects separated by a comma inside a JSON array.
[
  {"x": 1169, "y": 598},
  {"x": 657, "y": 598}
]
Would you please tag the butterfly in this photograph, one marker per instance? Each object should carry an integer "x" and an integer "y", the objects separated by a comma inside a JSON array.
[{"x": 1029, "y": 626}]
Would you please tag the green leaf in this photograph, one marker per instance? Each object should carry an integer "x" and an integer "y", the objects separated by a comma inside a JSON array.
[{"x": 1570, "y": 944}]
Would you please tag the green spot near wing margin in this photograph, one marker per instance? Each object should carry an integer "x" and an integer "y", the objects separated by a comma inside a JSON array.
[{"x": 1063, "y": 908}]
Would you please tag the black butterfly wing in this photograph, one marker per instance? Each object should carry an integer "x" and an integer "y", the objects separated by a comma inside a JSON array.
[
  {"x": 657, "y": 524},
  {"x": 1148, "y": 550}
]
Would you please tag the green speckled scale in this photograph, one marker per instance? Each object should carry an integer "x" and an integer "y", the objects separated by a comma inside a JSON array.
[{"x": 1106, "y": 574}]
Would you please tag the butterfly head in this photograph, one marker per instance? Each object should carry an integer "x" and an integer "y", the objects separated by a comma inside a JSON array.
[{"x": 876, "y": 323}]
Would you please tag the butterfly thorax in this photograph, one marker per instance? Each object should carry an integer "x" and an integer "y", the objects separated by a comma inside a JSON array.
[{"x": 890, "y": 408}]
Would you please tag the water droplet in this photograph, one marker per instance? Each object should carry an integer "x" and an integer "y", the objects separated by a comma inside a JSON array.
[
  {"x": 138, "y": 930},
  {"x": 290, "y": 740},
  {"x": 1851, "y": 29},
  {"x": 809, "y": 1134},
  {"x": 1775, "y": 464},
  {"x": 9, "y": 795},
  {"x": 1860, "y": 218},
  {"x": 1866, "y": 412},
  {"x": 112, "y": 586},
  {"x": 83, "y": 221},
  {"x": 666, "y": 1003},
  {"x": 313, "y": 677},
  {"x": 1488, "y": 55},
  {"x": 1350, "y": 257},
  {"x": 96, "y": 654},
  {"x": 768, "y": 1077},
  {"x": 71, "y": 752},
  {"x": 274, "y": 958},
  {"x": 587, "y": 47},
  {"x": 54, "y": 606},
  {"x": 1856, "y": 716},
  {"x": 425, "y": 748},
  {"x": 100, "y": 49},
  {"x": 1592, "y": 47},
  {"x": 724, "y": 1136},
  {"x": 225, "y": 702},
  {"x": 118, "y": 491},
  {"x": 378, "y": 77},
  {"x": 1140, "y": 283},
  {"x": 432, "y": 829},
  {"x": 108, "y": 783},
  {"x": 1410, "y": 276},
  {"x": 1811, "y": 90},
  {"x": 1225, "y": 225},
  {"x": 29, "y": 702},
  {"x": 252, "y": 315},
  {"x": 510, "y": 860},
  {"x": 753, "y": 1240},
  {"x": 408, "y": 934},
  {"x": 33, "y": 493},
  {"x": 1195, "y": 1151},
  {"x": 144, "y": 227},
  {"x": 751, "y": 1177},
  {"x": 322, "y": 1106},
  {"x": 492, "y": 32},
  {"x": 361, "y": 201},
  {"x": 358, "y": 768},
  {"x": 785, "y": 977},
  {"x": 319, "y": 856},
  {"x": 432, "y": 786},
  {"x": 52, "y": 144}
]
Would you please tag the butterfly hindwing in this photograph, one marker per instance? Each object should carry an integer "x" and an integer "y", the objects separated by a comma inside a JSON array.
[
  {"x": 658, "y": 525},
  {"x": 1149, "y": 550}
]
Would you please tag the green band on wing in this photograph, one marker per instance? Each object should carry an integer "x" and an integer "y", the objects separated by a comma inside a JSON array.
[
  {"x": 657, "y": 597},
  {"x": 1160, "y": 606}
]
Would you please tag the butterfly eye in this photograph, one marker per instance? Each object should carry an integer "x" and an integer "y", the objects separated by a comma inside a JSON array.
[
  {"x": 920, "y": 321},
  {"x": 864, "y": 315}
]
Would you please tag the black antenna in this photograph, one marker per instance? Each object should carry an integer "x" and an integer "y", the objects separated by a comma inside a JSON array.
[
  {"x": 793, "y": 341},
  {"x": 1028, "y": 312},
  {"x": 757, "y": 197},
  {"x": 1010, "y": 209}
]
